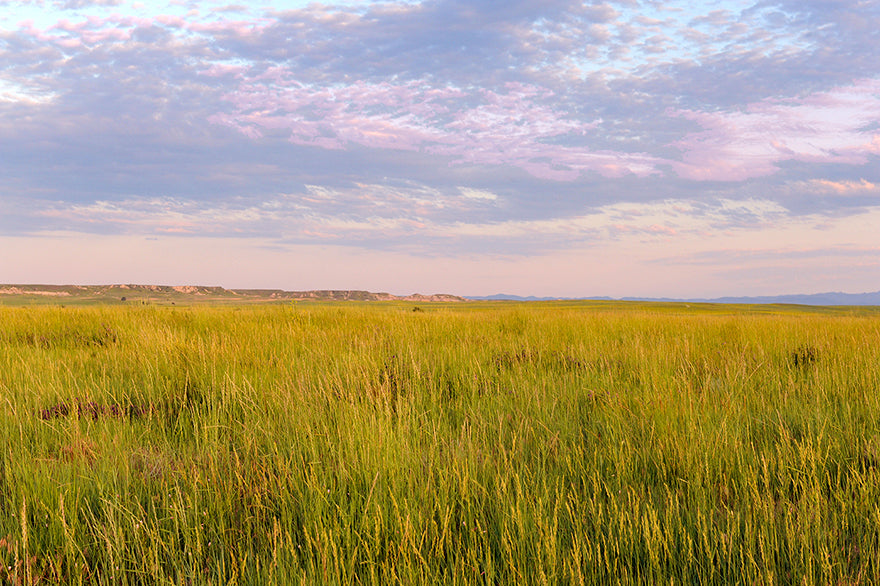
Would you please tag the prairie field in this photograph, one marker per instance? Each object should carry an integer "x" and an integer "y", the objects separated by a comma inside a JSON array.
[{"x": 475, "y": 443}]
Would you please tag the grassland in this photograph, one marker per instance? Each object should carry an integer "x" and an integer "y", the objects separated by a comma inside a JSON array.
[{"x": 556, "y": 443}]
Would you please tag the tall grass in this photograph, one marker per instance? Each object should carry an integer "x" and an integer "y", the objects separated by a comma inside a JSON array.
[{"x": 485, "y": 444}]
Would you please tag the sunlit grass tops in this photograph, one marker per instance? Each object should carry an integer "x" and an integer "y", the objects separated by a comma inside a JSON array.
[{"x": 478, "y": 443}]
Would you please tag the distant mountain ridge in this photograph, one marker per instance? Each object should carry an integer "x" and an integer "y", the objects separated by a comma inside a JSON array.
[
  {"x": 506, "y": 297},
  {"x": 170, "y": 293},
  {"x": 126, "y": 292},
  {"x": 834, "y": 298}
]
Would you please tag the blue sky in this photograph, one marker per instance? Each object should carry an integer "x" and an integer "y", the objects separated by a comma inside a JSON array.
[{"x": 548, "y": 148}]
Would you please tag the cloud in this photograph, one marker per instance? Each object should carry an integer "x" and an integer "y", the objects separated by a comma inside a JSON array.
[
  {"x": 13, "y": 92},
  {"x": 843, "y": 187},
  {"x": 738, "y": 256},
  {"x": 409, "y": 218},
  {"x": 77, "y": 4},
  {"x": 478, "y": 194},
  {"x": 836, "y": 126},
  {"x": 647, "y": 221},
  {"x": 515, "y": 126},
  {"x": 362, "y": 211}
]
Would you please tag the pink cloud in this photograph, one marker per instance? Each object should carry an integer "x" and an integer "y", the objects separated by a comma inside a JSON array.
[
  {"x": 171, "y": 21},
  {"x": 118, "y": 27},
  {"x": 67, "y": 26},
  {"x": 100, "y": 36},
  {"x": 238, "y": 28},
  {"x": 90, "y": 31},
  {"x": 223, "y": 69},
  {"x": 70, "y": 43},
  {"x": 842, "y": 187},
  {"x": 515, "y": 126},
  {"x": 828, "y": 127}
]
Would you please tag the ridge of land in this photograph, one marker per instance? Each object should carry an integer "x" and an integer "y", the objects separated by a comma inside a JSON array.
[
  {"x": 195, "y": 293},
  {"x": 13, "y": 294},
  {"x": 831, "y": 298}
]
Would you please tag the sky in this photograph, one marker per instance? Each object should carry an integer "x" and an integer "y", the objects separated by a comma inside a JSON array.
[{"x": 681, "y": 148}]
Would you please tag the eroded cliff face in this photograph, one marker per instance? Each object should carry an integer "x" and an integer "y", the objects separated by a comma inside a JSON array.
[
  {"x": 343, "y": 295},
  {"x": 15, "y": 290},
  {"x": 133, "y": 292}
]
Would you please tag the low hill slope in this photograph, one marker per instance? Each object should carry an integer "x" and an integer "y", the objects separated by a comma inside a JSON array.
[{"x": 192, "y": 293}]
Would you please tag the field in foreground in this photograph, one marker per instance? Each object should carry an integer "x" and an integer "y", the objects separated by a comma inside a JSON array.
[{"x": 479, "y": 444}]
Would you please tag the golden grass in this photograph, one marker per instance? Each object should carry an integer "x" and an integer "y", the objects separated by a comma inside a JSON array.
[{"x": 486, "y": 443}]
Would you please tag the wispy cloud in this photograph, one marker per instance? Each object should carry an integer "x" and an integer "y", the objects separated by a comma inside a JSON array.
[
  {"x": 410, "y": 218},
  {"x": 843, "y": 187},
  {"x": 837, "y": 126},
  {"x": 515, "y": 126}
]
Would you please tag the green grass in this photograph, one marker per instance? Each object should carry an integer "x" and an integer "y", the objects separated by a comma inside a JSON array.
[{"x": 485, "y": 443}]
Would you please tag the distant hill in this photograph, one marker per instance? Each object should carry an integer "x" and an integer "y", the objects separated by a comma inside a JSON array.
[
  {"x": 814, "y": 299},
  {"x": 506, "y": 297},
  {"x": 192, "y": 293},
  {"x": 341, "y": 295}
]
